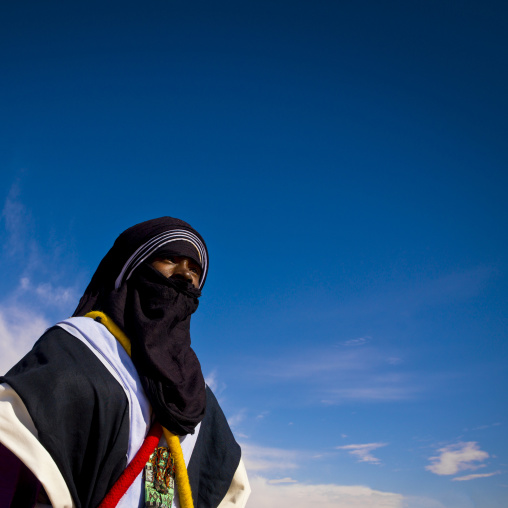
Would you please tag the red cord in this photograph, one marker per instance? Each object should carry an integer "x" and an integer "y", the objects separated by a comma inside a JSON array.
[{"x": 135, "y": 467}]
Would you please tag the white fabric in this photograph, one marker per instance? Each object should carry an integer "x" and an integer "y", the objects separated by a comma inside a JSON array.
[
  {"x": 19, "y": 435},
  {"x": 187, "y": 443},
  {"x": 114, "y": 357},
  {"x": 239, "y": 490}
]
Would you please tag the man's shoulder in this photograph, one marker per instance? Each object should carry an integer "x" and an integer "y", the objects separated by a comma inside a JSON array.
[
  {"x": 58, "y": 363},
  {"x": 79, "y": 410}
]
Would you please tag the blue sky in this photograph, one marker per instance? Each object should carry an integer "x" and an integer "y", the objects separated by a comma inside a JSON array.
[{"x": 346, "y": 163}]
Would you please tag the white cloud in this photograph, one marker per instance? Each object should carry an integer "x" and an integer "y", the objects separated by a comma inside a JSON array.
[
  {"x": 457, "y": 457},
  {"x": 44, "y": 269},
  {"x": 53, "y": 296},
  {"x": 262, "y": 415},
  {"x": 483, "y": 427},
  {"x": 363, "y": 451},
  {"x": 282, "y": 480},
  {"x": 370, "y": 394},
  {"x": 211, "y": 381},
  {"x": 422, "y": 292},
  {"x": 237, "y": 418},
  {"x": 19, "y": 329},
  {"x": 474, "y": 476},
  {"x": 360, "y": 341},
  {"x": 424, "y": 502},
  {"x": 325, "y": 361},
  {"x": 336, "y": 376},
  {"x": 217, "y": 385},
  {"x": 17, "y": 222},
  {"x": 24, "y": 308},
  {"x": 260, "y": 458},
  {"x": 267, "y": 494}
]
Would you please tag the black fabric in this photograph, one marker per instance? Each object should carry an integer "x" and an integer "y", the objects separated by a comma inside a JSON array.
[
  {"x": 79, "y": 410},
  {"x": 154, "y": 312},
  {"x": 215, "y": 457}
]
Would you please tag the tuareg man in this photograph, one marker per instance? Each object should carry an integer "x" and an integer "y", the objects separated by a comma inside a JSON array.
[{"x": 110, "y": 407}]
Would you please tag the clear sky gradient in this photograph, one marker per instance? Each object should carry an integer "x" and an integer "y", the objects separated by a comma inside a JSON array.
[{"x": 346, "y": 163}]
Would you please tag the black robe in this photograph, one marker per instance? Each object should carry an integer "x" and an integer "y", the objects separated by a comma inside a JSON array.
[{"x": 81, "y": 414}]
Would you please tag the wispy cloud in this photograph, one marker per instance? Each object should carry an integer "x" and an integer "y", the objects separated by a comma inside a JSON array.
[
  {"x": 474, "y": 476},
  {"x": 26, "y": 307},
  {"x": 212, "y": 381},
  {"x": 426, "y": 502},
  {"x": 362, "y": 452},
  {"x": 260, "y": 458},
  {"x": 336, "y": 375},
  {"x": 17, "y": 223},
  {"x": 360, "y": 341},
  {"x": 358, "y": 369},
  {"x": 19, "y": 329},
  {"x": 457, "y": 457},
  {"x": 282, "y": 480},
  {"x": 47, "y": 293},
  {"x": 416, "y": 295},
  {"x": 484, "y": 427},
  {"x": 273, "y": 494},
  {"x": 237, "y": 418},
  {"x": 48, "y": 279},
  {"x": 322, "y": 361},
  {"x": 370, "y": 394}
]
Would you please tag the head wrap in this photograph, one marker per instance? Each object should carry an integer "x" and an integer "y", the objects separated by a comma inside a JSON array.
[{"x": 154, "y": 312}]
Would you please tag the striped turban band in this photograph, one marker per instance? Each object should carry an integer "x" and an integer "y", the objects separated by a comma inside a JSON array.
[{"x": 149, "y": 248}]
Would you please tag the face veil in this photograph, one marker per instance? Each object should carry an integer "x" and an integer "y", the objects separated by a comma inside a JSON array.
[{"x": 155, "y": 312}]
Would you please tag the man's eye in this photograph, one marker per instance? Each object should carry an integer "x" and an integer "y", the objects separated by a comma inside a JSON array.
[
  {"x": 195, "y": 270},
  {"x": 171, "y": 260}
]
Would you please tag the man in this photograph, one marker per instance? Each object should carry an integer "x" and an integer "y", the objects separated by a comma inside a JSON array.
[{"x": 117, "y": 389}]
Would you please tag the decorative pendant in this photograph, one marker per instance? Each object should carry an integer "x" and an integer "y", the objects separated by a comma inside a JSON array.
[{"x": 160, "y": 479}]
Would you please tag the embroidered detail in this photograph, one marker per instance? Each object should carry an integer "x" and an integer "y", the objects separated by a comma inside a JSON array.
[
  {"x": 134, "y": 469},
  {"x": 160, "y": 479}
]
